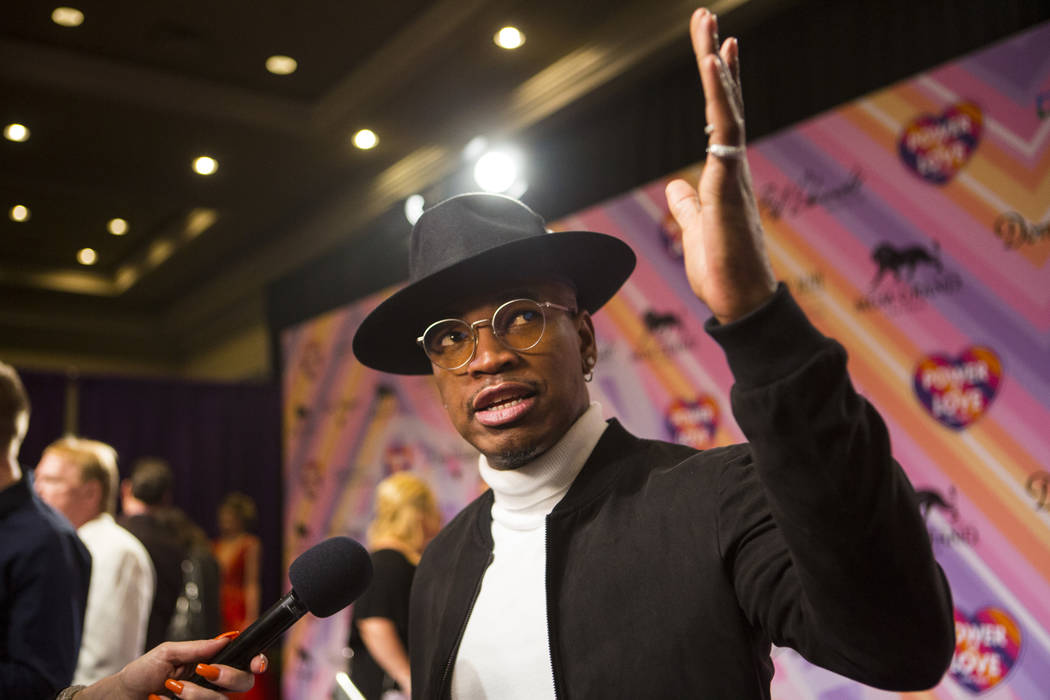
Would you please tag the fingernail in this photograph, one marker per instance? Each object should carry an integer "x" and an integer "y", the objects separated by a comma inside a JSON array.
[
  {"x": 229, "y": 635},
  {"x": 173, "y": 685},
  {"x": 153, "y": 696},
  {"x": 207, "y": 671},
  {"x": 265, "y": 665}
]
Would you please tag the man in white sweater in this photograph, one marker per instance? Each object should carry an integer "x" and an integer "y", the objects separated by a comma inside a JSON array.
[{"x": 79, "y": 478}]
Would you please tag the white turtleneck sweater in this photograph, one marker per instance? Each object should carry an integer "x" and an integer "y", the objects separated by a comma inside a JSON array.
[{"x": 505, "y": 651}]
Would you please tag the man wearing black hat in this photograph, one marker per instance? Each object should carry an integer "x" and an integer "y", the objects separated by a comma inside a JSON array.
[{"x": 602, "y": 565}]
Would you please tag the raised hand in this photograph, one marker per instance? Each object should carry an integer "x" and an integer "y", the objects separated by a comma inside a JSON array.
[{"x": 725, "y": 255}]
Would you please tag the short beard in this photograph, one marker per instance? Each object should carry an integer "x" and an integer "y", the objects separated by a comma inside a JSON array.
[{"x": 513, "y": 459}]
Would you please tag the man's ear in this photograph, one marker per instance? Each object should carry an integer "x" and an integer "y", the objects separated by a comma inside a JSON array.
[
  {"x": 92, "y": 491},
  {"x": 585, "y": 329}
]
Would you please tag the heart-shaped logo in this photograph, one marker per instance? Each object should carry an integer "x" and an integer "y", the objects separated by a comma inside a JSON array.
[
  {"x": 693, "y": 423},
  {"x": 957, "y": 391},
  {"x": 936, "y": 147},
  {"x": 986, "y": 648}
]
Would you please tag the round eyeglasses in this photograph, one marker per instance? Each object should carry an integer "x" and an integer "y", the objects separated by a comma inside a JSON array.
[{"x": 518, "y": 324}]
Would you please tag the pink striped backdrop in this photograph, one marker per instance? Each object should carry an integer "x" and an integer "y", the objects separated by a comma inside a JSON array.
[{"x": 914, "y": 226}]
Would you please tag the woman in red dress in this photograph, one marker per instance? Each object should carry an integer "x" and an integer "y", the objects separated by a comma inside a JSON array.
[{"x": 237, "y": 551}]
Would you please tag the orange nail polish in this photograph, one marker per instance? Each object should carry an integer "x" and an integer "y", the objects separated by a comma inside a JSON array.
[
  {"x": 232, "y": 634},
  {"x": 207, "y": 671},
  {"x": 154, "y": 696},
  {"x": 265, "y": 665},
  {"x": 173, "y": 685}
]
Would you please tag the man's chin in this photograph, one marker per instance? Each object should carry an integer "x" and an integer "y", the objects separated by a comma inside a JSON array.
[{"x": 513, "y": 458}]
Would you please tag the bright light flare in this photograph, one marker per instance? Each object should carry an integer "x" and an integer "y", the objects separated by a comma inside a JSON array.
[
  {"x": 19, "y": 213},
  {"x": 414, "y": 208},
  {"x": 87, "y": 256},
  {"x": 497, "y": 171}
]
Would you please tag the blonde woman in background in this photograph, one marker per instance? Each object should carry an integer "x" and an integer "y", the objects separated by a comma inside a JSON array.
[{"x": 406, "y": 519}]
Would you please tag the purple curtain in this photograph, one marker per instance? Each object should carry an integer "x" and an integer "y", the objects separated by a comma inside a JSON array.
[
  {"x": 47, "y": 398},
  {"x": 217, "y": 438}
]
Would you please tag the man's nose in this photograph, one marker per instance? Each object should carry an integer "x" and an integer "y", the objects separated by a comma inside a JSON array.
[{"x": 491, "y": 355}]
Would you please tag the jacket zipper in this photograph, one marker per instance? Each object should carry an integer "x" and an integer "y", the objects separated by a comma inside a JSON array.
[
  {"x": 547, "y": 591},
  {"x": 446, "y": 674}
]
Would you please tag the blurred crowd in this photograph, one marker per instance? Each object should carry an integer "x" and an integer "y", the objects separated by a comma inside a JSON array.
[{"x": 95, "y": 570}]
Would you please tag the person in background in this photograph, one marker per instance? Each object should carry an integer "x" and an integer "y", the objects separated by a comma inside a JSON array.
[
  {"x": 406, "y": 519},
  {"x": 143, "y": 498},
  {"x": 44, "y": 570},
  {"x": 238, "y": 553},
  {"x": 79, "y": 479},
  {"x": 197, "y": 608}
]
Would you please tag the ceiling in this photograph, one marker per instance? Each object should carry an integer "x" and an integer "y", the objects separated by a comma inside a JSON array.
[{"x": 119, "y": 107}]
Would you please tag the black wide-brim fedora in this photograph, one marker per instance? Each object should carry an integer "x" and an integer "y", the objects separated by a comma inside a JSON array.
[{"x": 475, "y": 243}]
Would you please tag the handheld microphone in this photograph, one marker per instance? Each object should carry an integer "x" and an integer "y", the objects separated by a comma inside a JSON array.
[{"x": 325, "y": 579}]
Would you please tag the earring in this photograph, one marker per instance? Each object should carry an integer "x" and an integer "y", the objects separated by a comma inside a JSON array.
[{"x": 588, "y": 369}]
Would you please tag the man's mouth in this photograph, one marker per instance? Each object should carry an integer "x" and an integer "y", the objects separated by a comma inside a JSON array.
[{"x": 503, "y": 404}]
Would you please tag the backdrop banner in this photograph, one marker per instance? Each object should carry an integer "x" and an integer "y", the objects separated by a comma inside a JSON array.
[{"x": 913, "y": 225}]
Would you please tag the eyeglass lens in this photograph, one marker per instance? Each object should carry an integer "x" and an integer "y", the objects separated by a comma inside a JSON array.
[{"x": 518, "y": 324}]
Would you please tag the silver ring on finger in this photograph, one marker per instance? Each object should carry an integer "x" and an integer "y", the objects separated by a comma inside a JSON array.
[{"x": 720, "y": 150}]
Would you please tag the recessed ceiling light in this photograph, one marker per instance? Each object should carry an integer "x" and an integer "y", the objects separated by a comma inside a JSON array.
[
  {"x": 365, "y": 139},
  {"x": 67, "y": 16},
  {"x": 87, "y": 256},
  {"x": 281, "y": 65},
  {"x": 205, "y": 165},
  {"x": 118, "y": 227},
  {"x": 16, "y": 132},
  {"x": 509, "y": 38},
  {"x": 19, "y": 212}
]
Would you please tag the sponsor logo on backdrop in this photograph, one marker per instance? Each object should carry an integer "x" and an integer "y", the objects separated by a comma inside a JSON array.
[
  {"x": 960, "y": 531},
  {"x": 693, "y": 422},
  {"x": 937, "y": 146},
  {"x": 958, "y": 390},
  {"x": 1015, "y": 231},
  {"x": 810, "y": 283},
  {"x": 398, "y": 457},
  {"x": 906, "y": 277},
  {"x": 311, "y": 360},
  {"x": 667, "y": 335},
  {"x": 1042, "y": 105},
  {"x": 1038, "y": 486},
  {"x": 671, "y": 235},
  {"x": 311, "y": 479},
  {"x": 987, "y": 645},
  {"x": 810, "y": 191}
]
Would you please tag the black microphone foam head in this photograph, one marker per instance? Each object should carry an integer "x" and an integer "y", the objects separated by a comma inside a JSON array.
[{"x": 331, "y": 575}]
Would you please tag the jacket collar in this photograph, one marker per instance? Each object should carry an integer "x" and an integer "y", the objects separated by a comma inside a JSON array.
[{"x": 595, "y": 478}]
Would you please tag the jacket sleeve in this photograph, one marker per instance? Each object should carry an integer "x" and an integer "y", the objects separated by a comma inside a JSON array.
[
  {"x": 45, "y": 616},
  {"x": 821, "y": 533}
]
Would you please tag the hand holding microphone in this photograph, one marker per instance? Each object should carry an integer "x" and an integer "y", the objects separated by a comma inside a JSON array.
[{"x": 325, "y": 579}]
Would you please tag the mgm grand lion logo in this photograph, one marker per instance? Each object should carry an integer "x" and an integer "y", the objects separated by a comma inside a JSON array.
[
  {"x": 902, "y": 262},
  {"x": 906, "y": 276}
]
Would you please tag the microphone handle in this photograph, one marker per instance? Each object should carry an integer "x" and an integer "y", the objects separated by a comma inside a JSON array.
[{"x": 258, "y": 637}]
